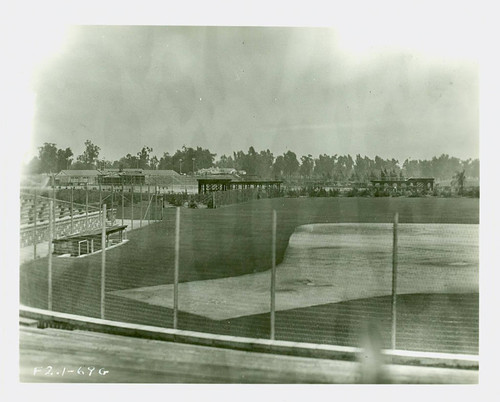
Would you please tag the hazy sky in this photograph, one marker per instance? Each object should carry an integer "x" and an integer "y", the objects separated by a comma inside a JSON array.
[{"x": 227, "y": 88}]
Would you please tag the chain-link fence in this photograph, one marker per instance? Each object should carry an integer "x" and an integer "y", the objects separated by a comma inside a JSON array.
[{"x": 340, "y": 273}]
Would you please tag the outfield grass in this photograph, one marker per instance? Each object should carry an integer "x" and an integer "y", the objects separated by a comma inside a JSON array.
[{"x": 229, "y": 241}]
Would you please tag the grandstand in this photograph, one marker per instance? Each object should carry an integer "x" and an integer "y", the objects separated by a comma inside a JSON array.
[
  {"x": 69, "y": 218},
  {"x": 163, "y": 180}
]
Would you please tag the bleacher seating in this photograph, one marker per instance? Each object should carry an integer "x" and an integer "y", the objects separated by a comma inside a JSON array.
[{"x": 62, "y": 209}]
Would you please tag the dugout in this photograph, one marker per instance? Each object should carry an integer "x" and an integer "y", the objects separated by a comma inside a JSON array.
[{"x": 88, "y": 242}]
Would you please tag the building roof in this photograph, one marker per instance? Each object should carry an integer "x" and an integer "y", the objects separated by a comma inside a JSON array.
[
  {"x": 118, "y": 173},
  {"x": 126, "y": 170},
  {"x": 160, "y": 173},
  {"x": 90, "y": 172},
  {"x": 420, "y": 178}
]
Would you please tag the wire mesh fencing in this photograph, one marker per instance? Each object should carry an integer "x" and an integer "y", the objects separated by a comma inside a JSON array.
[{"x": 308, "y": 270}]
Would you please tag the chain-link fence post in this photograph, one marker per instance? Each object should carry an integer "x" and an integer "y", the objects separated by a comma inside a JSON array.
[
  {"x": 394, "y": 278},
  {"x": 176, "y": 267},
  {"x": 86, "y": 206},
  {"x": 103, "y": 260},
  {"x": 51, "y": 235},
  {"x": 100, "y": 201},
  {"x": 123, "y": 203},
  {"x": 273, "y": 277},
  {"x": 71, "y": 210},
  {"x": 35, "y": 215},
  {"x": 112, "y": 209},
  {"x": 132, "y": 205},
  {"x": 149, "y": 207},
  {"x": 140, "y": 205}
]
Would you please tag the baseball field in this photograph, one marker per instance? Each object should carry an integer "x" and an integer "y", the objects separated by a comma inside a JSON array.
[{"x": 333, "y": 274}]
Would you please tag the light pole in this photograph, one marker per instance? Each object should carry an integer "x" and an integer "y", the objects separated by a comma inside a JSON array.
[
  {"x": 193, "y": 165},
  {"x": 180, "y": 167}
]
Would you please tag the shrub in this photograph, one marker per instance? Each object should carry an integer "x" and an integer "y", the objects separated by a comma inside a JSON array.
[{"x": 472, "y": 192}]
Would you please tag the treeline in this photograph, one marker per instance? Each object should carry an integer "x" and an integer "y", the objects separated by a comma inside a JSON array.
[{"x": 263, "y": 164}]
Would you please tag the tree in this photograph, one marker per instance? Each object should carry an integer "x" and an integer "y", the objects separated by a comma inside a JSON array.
[
  {"x": 306, "y": 165},
  {"x": 50, "y": 159},
  {"x": 324, "y": 166},
  {"x": 471, "y": 168},
  {"x": 225, "y": 162},
  {"x": 249, "y": 164},
  {"x": 412, "y": 168},
  {"x": 143, "y": 157},
  {"x": 459, "y": 181},
  {"x": 32, "y": 167},
  {"x": 343, "y": 168},
  {"x": 153, "y": 163},
  {"x": 363, "y": 168},
  {"x": 90, "y": 155},
  {"x": 129, "y": 162},
  {"x": 279, "y": 167},
  {"x": 291, "y": 164},
  {"x": 64, "y": 159},
  {"x": 265, "y": 162},
  {"x": 47, "y": 154},
  {"x": 166, "y": 162},
  {"x": 253, "y": 163},
  {"x": 186, "y": 160}
]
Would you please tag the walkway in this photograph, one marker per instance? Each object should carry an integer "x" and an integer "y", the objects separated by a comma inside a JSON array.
[{"x": 134, "y": 360}]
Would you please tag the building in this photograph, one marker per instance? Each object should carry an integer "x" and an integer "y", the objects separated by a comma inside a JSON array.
[
  {"x": 215, "y": 171},
  {"x": 162, "y": 178},
  {"x": 77, "y": 177},
  {"x": 165, "y": 180},
  {"x": 119, "y": 177}
]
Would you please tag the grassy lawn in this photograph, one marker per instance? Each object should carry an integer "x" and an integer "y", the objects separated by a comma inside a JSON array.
[{"x": 229, "y": 241}]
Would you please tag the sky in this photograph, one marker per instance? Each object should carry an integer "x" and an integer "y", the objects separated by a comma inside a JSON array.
[{"x": 312, "y": 90}]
